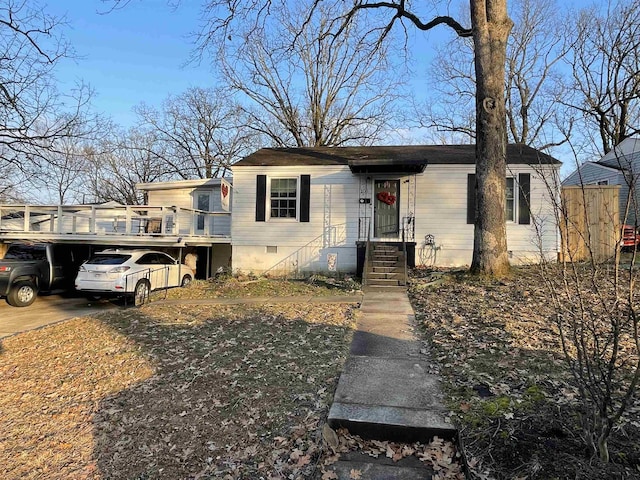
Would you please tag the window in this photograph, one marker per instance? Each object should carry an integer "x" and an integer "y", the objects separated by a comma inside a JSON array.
[
  {"x": 283, "y": 197},
  {"x": 603, "y": 182},
  {"x": 203, "y": 201},
  {"x": 515, "y": 210},
  {"x": 511, "y": 201}
]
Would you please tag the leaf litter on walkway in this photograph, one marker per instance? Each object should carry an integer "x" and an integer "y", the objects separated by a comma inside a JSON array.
[{"x": 170, "y": 391}]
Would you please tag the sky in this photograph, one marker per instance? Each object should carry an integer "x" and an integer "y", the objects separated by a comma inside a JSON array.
[
  {"x": 131, "y": 55},
  {"x": 139, "y": 53}
]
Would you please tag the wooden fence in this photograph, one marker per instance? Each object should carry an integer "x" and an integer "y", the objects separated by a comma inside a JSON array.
[{"x": 591, "y": 223}]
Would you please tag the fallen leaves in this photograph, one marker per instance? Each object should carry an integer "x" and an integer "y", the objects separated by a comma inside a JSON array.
[
  {"x": 509, "y": 391},
  {"x": 438, "y": 456},
  {"x": 172, "y": 392}
]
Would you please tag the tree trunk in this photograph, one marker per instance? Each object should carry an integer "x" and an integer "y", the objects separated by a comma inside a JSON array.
[{"x": 491, "y": 28}]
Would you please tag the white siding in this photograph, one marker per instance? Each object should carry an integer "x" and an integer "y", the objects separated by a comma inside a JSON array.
[
  {"x": 303, "y": 246},
  {"x": 440, "y": 210}
]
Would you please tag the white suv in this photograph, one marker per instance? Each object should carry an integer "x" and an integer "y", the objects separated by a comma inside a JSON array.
[{"x": 131, "y": 272}]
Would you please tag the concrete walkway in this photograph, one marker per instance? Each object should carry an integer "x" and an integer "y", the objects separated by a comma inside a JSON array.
[{"x": 386, "y": 391}]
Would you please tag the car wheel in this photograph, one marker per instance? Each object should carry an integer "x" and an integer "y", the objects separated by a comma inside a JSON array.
[
  {"x": 141, "y": 293},
  {"x": 186, "y": 280},
  {"x": 22, "y": 294}
]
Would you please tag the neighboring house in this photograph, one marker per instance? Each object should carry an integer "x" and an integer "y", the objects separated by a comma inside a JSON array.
[
  {"x": 314, "y": 209},
  {"x": 621, "y": 166}
]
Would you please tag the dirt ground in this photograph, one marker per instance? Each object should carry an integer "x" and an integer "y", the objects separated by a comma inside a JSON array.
[{"x": 507, "y": 381}]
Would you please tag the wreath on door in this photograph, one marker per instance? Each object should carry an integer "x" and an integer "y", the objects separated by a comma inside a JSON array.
[{"x": 386, "y": 197}]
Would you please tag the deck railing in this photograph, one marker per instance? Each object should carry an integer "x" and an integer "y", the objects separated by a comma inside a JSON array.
[{"x": 144, "y": 220}]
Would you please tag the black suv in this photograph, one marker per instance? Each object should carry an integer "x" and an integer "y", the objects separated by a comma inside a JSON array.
[{"x": 29, "y": 268}]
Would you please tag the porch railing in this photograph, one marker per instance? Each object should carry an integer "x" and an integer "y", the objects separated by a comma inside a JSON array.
[{"x": 144, "y": 220}]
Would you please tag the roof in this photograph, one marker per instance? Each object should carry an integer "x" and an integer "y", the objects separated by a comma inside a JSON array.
[
  {"x": 196, "y": 183},
  {"x": 628, "y": 146},
  {"x": 410, "y": 155},
  {"x": 581, "y": 175}
]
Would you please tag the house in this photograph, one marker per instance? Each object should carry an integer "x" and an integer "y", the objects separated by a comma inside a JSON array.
[
  {"x": 317, "y": 209},
  {"x": 621, "y": 166}
]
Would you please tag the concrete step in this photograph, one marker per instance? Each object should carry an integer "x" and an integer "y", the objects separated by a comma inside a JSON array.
[
  {"x": 384, "y": 282},
  {"x": 385, "y": 275},
  {"x": 385, "y": 258},
  {"x": 385, "y": 263},
  {"x": 381, "y": 468},
  {"x": 389, "y": 399},
  {"x": 394, "y": 269}
]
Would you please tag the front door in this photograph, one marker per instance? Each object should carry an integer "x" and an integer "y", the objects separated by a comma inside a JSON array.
[{"x": 386, "y": 208}]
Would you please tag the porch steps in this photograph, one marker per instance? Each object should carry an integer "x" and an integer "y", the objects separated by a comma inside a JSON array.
[{"x": 386, "y": 266}]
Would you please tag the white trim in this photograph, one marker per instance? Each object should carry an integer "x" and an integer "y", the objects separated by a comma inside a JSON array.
[
  {"x": 268, "y": 216},
  {"x": 196, "y": 183},
  {"x": 515, "y": 193}
]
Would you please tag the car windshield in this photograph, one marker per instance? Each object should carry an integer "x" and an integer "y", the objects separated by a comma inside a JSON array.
[
  {"x": 26, "y": 252},
  {"x": 108, "y": 259}
]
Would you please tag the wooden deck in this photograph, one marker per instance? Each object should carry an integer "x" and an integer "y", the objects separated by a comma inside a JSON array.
[{"x": 114, "y": 224}]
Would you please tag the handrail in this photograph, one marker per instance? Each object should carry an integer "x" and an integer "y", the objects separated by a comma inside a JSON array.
[
  {"x": 404, "y": 251},
  {"x": 406, "y": 222},
  {"x": 146, "y": 275},
  {"x": 367, "y": 257}
]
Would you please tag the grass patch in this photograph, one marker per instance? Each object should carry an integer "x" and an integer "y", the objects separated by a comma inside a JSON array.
[
  {"x": 244, "y": 286},
  {"x": 172, "y": 391}
]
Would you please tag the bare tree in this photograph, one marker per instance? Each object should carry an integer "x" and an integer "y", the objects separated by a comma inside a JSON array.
[
  {"x": 489, "y": 27},
  {"x": 605, "y": 61},
  {"x": 306, "y": 87},
  {"x": 34, "y": 115},
  {"x": 200, "y": 132},
  {"x": 532, "y": 82},
  {"x": 59, "y": 180},
  {"x": 117, "y": 165}
]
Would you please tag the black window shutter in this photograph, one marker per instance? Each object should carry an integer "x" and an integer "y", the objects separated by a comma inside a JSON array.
[
  {"x": 305, "y": 197},
  {"x": 261, "y": 197},
  {"x": 524, "y": 198},
  {"x": 471, "y": 198}
]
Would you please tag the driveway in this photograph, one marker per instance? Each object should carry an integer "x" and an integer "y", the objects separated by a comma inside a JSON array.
[{"x": 46, "y": 310}]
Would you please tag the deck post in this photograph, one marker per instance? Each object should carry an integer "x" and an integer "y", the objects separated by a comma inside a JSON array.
[
  {"x": 92, "y": 220},
  {"x": 176, "y": 217},
  {"x": 127, "y": 220},
  {"x": 27, "y": 217},
  {"x": 60, "y": 219}
]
